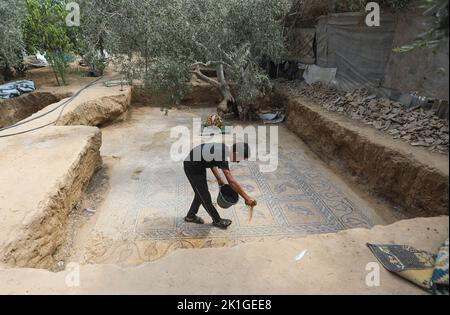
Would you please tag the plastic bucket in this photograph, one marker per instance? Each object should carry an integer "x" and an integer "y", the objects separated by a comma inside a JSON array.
[{"x": 227, "y": 197}]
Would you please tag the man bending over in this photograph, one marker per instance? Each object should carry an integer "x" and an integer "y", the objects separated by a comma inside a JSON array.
[{"x": 214, "y": 156}]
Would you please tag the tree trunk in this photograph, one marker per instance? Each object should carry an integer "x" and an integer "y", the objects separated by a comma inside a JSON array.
[
  {"x": 56, "y": 75},
  {"x": 225, "y": 106}
]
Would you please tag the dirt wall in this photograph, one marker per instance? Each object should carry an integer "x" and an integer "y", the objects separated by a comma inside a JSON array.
[
  {"x": 16, "y": 109},
  {"x": 202, "y": 94},
  {"x": 36, "y": 223},
  {"x": 391, "y": 174}
]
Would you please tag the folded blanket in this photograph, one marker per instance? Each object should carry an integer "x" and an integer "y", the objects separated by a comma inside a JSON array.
[
  {"x": 422, "y": 268},
  {"x": 440, "y": 274}
]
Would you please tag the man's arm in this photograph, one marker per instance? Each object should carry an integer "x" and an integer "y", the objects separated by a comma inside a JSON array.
[
  {"x": 249, "y": 201},
  {"x": 216, "y": 173}
]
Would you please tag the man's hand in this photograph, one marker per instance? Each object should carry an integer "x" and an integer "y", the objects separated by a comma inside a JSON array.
[
  {"x": 250, "y": 202},
  {"x": 220, "y": 182}
]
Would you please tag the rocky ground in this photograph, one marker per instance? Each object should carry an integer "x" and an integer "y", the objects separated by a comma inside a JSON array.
[{"x": 417, "y": 126}]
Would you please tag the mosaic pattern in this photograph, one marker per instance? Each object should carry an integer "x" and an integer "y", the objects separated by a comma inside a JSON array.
[{"x": 295, "y": 200}]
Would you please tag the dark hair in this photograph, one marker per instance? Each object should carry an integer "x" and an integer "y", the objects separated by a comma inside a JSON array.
[{"x": 242, "y": 150}]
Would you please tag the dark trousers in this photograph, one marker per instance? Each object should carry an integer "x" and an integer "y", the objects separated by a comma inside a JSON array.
[{"x": 198, "y": 180}]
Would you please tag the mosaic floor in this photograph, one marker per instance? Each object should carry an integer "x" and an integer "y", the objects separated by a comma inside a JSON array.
[
  {"x": 295, "y": 200},
  {"x": 141, "y": 218}
]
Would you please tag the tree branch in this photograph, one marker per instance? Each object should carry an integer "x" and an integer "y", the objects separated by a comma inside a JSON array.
[
  {"x": 209, "y": 64},
  {"x": 220, "y": 74},
  {"x": 205, "y": 78}
]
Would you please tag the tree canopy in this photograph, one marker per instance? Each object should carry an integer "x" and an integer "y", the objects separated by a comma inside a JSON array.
[
  {"x": 45, "y": 30},
  {"x": 163, "y": 42},
  {"x": 12, "y": 46}
]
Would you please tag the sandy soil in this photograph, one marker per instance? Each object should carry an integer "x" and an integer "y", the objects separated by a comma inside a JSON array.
[
  {"x": 44, "y": 172},
  {"x": 41, "y": 177},
  {"x": 333, "y": 264},
  {"x": 76, "y": 77},
  {"x": 48, "y": 92},
  {"x": 97, "y": 105}
]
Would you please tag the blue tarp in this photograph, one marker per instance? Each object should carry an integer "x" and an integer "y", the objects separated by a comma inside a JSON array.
[{"x": 17, "y": 88}]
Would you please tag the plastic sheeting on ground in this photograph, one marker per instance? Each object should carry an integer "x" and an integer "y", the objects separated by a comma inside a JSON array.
[
  {"x": 16, "y": 88},
  {"x": 275, "y": 117},
  {"x": 359, "y": 52},
  {"x": 315, "y": 74},
  {"x": 35, "y": 61}
]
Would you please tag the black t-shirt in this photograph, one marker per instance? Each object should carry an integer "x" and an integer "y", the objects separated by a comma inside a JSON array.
[{"x": 209, "y": 155}]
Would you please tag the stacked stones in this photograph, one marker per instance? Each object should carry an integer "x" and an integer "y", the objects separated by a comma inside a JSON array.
[{"x": 417, "y": 126}]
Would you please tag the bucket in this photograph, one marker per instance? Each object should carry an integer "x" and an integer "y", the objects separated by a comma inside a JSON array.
[{"x": 227, "y": 197}]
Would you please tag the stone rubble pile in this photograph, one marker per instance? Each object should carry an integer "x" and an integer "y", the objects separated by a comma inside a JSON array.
[{"x": 417, "y": 126}]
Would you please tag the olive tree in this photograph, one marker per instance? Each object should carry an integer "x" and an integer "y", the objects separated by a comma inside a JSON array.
[
  {"x": 11, "y": 45},
  {"x": 234, "y": 37},
  {"x": 165, "y": 42},
  {"x": 93, "y": 37}
]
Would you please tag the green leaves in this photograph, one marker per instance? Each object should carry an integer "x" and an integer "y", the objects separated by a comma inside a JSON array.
[
  {"x": 170, "y": 77},
  {"x": 45, "y": 30},
  {"x": 11, "y": 40},
  {"x": 438, "y": 24},
  {"x": 162, "y": 38}
]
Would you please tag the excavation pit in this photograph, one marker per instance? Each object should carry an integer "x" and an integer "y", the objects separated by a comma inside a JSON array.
[
  {"x": 139, "y": 217},
  {"x": 16, "y": 109}
]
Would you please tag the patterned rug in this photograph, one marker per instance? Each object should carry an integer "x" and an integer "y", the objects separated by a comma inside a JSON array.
[
  {"x": 422, "y": 268},
  {"x": 440, "y": 274}
]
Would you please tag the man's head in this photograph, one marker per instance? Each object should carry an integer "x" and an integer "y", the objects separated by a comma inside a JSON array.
[{"x": 240, "y": 152}]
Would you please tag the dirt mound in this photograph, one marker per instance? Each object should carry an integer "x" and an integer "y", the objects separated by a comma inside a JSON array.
[
  {"x": 98, "y": 111},
  {"x": 57, "y": 164}
]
